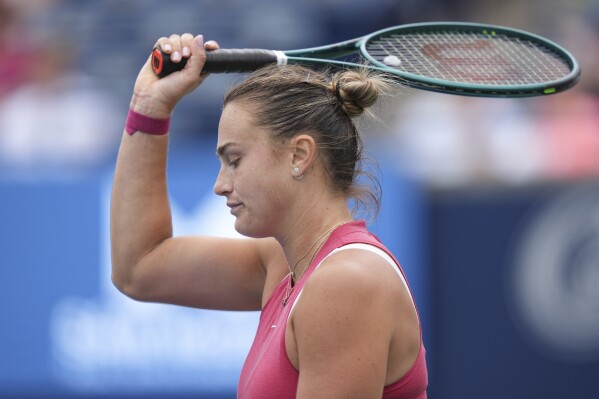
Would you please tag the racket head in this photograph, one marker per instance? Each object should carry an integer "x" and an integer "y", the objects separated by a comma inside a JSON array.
[{"x": 471, "y": 59}]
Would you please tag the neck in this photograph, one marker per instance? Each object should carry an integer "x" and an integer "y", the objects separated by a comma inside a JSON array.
[{"x": 310, "y": 230}]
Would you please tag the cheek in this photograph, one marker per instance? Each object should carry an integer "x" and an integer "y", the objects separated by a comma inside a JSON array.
[
  {"x": 265, "y": 206},
  {"x": 268, "y": 191},
  {"x": 265, "y": 174},
  {"x": 267, "y": 188}
]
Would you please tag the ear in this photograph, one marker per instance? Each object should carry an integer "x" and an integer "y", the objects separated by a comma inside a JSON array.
[{"x": 303, "y": 152}]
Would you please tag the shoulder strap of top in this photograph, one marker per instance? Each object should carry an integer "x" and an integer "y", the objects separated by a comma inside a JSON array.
[
  {"x": 382, "y": 254},
  {"x": 367, "y": 242}
]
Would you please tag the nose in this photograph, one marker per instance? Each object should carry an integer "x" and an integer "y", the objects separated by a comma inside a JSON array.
[{"x": 222, "y": 185}]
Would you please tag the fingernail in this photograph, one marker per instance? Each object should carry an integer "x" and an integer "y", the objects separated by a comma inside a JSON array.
[
  {"x": 176, "y": 56},
  {"x": 186, "y": 52},
  {"x": 167, "y": 47},
  {"x": 199, "y": 40}
]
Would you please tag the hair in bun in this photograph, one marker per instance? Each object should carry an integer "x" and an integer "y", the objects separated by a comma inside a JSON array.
[{"x": 292, "y": 99}]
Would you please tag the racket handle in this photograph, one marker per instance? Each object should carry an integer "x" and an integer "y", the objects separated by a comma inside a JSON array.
[{"x": 220, "y": 61}]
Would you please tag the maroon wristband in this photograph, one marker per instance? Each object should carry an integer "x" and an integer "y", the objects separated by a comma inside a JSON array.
[{"x": 141, "y": 123}]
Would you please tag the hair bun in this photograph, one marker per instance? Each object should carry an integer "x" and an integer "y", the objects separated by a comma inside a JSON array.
[{"x": 356, "y": 90}]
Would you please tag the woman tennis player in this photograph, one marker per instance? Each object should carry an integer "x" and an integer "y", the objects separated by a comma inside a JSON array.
[{"x": 338, "y": 319}]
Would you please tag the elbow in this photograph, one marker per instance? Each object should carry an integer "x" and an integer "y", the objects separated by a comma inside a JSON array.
[
  {"x": 122, "y": 284},
  {"x": 127, "y": 285},
  {"x": 135, "y": 276}
]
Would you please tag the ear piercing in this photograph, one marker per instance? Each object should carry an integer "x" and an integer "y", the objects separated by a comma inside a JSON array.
[{"x": 296, "y": 171}]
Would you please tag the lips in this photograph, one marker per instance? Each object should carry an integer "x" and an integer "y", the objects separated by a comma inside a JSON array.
[{"x": 235, "y": 206}]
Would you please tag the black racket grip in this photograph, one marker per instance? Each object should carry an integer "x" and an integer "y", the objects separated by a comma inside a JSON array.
[
  {"x": 220, "y": 61},
  {"x": 238, "y": 60}
]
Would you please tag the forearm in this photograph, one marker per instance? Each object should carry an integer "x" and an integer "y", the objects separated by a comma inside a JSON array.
[{"x": 140, "y": 210}]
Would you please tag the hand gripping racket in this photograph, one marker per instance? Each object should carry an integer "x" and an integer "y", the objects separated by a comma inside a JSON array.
[{"x": 457, "y": 58}]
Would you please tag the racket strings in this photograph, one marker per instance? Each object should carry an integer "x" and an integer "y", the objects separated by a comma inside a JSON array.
[{"x": 470, "y": 57}]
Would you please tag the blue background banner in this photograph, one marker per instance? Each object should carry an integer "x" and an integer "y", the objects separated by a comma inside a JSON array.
[{"x": 514, "y": 292}]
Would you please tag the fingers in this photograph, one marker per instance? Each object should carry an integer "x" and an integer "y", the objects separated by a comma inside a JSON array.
[
  {"x": 198, "y": 55},
  {"x": 186, "y": 42},
  {"x": 187, "y": 50},
  {"x": 211, "y": 45},
  {"x": 177, "y": 46}
]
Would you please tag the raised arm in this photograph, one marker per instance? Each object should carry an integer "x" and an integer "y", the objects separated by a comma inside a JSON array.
[{"x": 148, "y": 264}]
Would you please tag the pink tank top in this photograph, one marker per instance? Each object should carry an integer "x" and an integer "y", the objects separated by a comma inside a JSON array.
[{"x": 268, "y": 373}]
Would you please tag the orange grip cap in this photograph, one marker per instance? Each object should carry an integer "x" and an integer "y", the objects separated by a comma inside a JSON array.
[{"x": 157, "y": 61}]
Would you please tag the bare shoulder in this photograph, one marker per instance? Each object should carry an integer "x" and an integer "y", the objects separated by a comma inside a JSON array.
[
  {"x": 365, "y": 273},
  {"x": 345, "y": 325},
  {"x": 358, "y": 286}
]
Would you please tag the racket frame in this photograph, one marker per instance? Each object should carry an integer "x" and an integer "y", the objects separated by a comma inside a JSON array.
[{"x": 358, "y": 46}]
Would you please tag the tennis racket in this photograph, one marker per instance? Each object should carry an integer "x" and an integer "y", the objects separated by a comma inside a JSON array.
[{"x": 457, "y": 58}]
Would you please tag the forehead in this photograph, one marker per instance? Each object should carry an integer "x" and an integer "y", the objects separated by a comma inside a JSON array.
[
  {"x": 234, "y": 114},
  {"x": 237, "y": 126}
]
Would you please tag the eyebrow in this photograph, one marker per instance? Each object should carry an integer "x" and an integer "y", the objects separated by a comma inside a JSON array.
[{"x": 220, "y": 151}]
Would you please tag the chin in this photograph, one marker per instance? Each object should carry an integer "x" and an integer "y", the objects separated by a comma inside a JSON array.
[{"x": 252, "y": 230}]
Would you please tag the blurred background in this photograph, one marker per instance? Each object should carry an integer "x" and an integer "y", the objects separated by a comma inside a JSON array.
[{"x": 491, "y": 205}]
